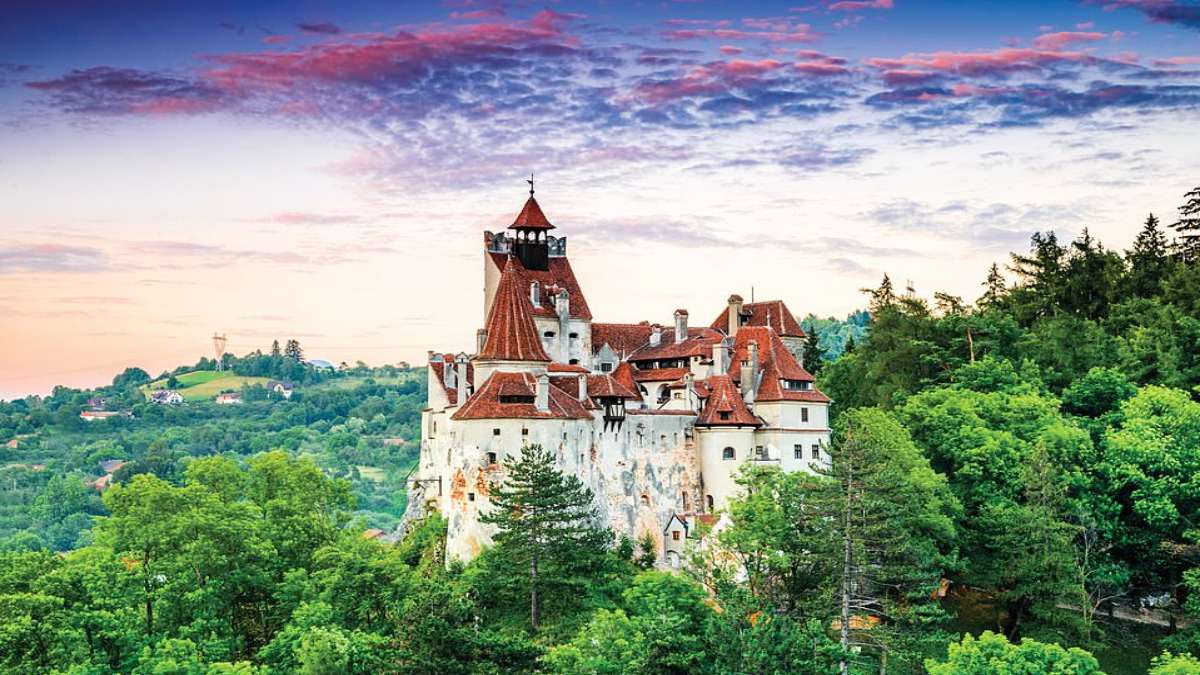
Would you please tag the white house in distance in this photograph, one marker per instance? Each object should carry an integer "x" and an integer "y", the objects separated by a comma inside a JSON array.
[
  {"x": 656, "y": 419},
  {"x": 229, "y": 398},
  {"x": 281, "y": 388},
  {"x": 166, "y": 397}
]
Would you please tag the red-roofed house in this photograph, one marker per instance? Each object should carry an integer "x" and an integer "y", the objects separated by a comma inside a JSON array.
[{"x": 656, "y": 419}]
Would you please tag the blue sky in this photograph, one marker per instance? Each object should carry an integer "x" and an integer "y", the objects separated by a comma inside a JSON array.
[{"x": 324, "y": 170}]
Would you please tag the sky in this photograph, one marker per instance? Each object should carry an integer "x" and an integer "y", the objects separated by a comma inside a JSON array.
[{"x": 324, "y": 170}]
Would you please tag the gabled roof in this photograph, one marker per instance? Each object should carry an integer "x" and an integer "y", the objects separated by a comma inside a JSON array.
[
  {"x": 777, "y": 364},
  {"x": 623, "y": 338},
  {"x": 660, "y": 374},
  {"x": 724, "y": 397},
  {"x": 557, "y": 276},
  {"x": 772, "y": 313},
  {"x": 531, "y": 217},
  {"x": 555, "y": 368},
  {"x": 608, "y": 386},
  {"x": 485, "y": 403},
  {"x": 511, "y": 335},
  {"x": 699, "y": 342},
  {"x": 623, "y": 375}
]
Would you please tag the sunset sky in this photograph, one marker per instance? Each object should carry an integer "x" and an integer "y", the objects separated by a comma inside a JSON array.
[{"x": 324, "y": 170}]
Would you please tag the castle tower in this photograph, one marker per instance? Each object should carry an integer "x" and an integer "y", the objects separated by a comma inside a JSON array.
[{"x": 531, "y": 227}]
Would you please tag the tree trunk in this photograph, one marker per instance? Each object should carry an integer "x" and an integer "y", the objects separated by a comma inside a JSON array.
[{"x": 534, "y": 614}]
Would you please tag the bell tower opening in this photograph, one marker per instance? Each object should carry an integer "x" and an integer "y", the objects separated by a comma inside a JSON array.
[{"x": 531, "y": 243}]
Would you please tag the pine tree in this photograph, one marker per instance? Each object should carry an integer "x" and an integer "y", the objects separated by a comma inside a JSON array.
[
  {"x": 293, "y": 351},
  {"x": 814, "y": 356},
  {"x": 1148, "y": 260},
  {"x": 275, "y": 349},
  {"x": 1041, "y": 273},
  {"x": 882, "y": 297},
  {"x": 994, "y": 288},
  {"x": 546, "y": 523},
  {"x": 1188, "y": 227}
]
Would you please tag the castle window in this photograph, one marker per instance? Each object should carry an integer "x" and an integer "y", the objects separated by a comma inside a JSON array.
[
  {"x": 470, "y": 496},
  {"x": 491, "y": 458},
  {"x": 816, "y": 451},
  {"x": 574, "y": 362},
  {"x": 804, "y": 414},
  {"x": 724, "y": 415},
  {"x": 524, "y": 432},
  {"x": 798, "y": 451},
  {"x": 728, "y": 453},
  {"x": 685, "y": 500},
  {"x": 496, "y": 431},
  {"x": 674, "y": 535},
  {"x": 548, "y": 334},
  {"x": 606, "y": 367},
  {"x": 574, "y": 336},
  {"x": 760, "y": 452},
  {"x": 535, "y": 293},
  {"x": 645, "y": 500},
  {"x": 710, "y": 503},
  {"x": 515, "y": 398}
]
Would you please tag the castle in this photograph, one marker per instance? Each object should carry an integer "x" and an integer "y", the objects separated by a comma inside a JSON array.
[{"x": 656, "y": 420}]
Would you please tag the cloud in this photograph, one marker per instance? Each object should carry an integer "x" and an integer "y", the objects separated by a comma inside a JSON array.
[
  {"x": 1054, "y": 41},
  {"x": 299, "y": 218},
  {"x": 859, "y": 5},
  {"x": 995, "y": 226},
  {"x": 995, "y": 63},
  {"x": 769, "y": 30},
  {"x": 1184, "y": 13},
  {"x": 322, "y": 28},
  {"x": 37, "y": 258},
  {"x": 103, "y": 90}
]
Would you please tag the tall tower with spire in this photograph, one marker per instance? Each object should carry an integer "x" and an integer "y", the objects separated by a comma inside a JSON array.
[{"x": 531, "y": 228}]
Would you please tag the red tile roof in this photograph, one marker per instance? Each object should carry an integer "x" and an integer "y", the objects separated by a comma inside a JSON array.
[
  {"x": 438, "y": 369},
  {"x": 511, "y": 335},
  {"x": 699, "y": 342},
  {"x": 608, "y": 386},
  {"x": 659, "y": 374},
  {"x": 772, "y": 313},
  {"x": 623, "y": 338},
  {"x": 556, "y": 277},
  {"x": 725, "y": 398},
  {"x": 777, "y": 364},
  {"x": 531, "y": 217},
  {"x": 624, "y": 377},
  {"x": 485, "y": 403},
  {"x": 556, "y": 367}
]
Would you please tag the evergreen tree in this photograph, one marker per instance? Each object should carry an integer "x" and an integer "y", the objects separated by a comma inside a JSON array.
[
  {"x": 1090, "y": 278},
  {"x": 293, "y": 350},
  {"x": 1041, "y": 274},
  {"x": 994, "y": 288},
  {"x": 1188, "y": 227},
  {"x": 882, "y": 297},
  {"x": 546, "y": 524},
  {"x": 814, "y": 356},
  {"x": 275, "y": 348},
  {"x": 1148, "y": 260}
]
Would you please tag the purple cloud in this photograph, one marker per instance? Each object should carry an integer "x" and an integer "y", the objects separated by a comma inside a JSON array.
[
  {"x": 1182, "y": 13},
  {"x": 115, "y": 91},
  {"x": 322, "y": 28},
  {"x": 51, "y": 258}
]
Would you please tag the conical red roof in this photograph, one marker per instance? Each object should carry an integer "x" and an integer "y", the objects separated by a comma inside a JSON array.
[
  {"x": 511, "y": 334},
  {"x": 531, "y": 217}
]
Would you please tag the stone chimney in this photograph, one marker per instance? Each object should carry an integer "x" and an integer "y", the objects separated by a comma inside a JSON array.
[
  {"x": 541, "y": 398},
  {"x": 583, "y": 392},
  {"x": 681, "y": 318},
  {"x": 447, "y": 372},
  {"x": 749, "y": 372},
  {"x": 718, "y": 358},
  {"x": 735, "y": 314},
  {"x": 460, "y": 363},
  {"x": 562, "y": 304},
  {"x": 655, "y": 335},
  {"x": 480, "y": 340}
]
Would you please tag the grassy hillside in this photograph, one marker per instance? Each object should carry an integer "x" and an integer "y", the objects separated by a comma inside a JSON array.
[{"x": 202, "y": 385}]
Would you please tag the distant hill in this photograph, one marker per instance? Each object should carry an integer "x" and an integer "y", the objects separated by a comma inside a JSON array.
[
  {"x": 204, "y": 385},
  {"x": 835, "y": 333}
]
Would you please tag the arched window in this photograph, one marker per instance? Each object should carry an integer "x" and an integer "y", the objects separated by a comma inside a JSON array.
[
  {"x": 673, "y": 559},
  {"x": 645, "y": 500},
  {"x": 710, "y": 503},
  {"x": 728, "y": 453}
]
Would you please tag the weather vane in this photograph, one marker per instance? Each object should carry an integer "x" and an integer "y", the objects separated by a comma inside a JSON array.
[{"x": 530, "y": 181}]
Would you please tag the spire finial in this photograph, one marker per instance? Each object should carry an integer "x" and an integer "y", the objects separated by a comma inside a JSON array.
[{"x": 530, "y": 181}]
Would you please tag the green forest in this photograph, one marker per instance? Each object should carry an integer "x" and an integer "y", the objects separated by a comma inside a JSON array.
[{"x": 1014, "y": 488}]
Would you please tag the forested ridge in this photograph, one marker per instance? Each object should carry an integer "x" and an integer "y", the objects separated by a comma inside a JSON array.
[{"x": 1014, "y": 488}]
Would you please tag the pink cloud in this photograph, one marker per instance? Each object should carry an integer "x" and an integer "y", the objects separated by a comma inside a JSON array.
[
  {"x": 275, "y": 40},
  {"x": 1177, "y": 61},
  {"x": 858, "y": 5},
  {"x": 730, "y": 50},
  {"x": 975, "y": 64},
  {"x": 1063, "y": 38},
  {"x": 765, "y": 29},
  {"x": 1085, "y": 25},
  {"x": 707, "y": 79}
]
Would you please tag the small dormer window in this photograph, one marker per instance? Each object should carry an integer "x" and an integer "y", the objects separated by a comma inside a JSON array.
[
  {"x": 535, "y": 293},
  {"x": 548, "y": 334},
  {"x": 606, "y": 367},
  {"x": 724, "y": 415}
]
